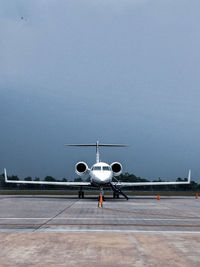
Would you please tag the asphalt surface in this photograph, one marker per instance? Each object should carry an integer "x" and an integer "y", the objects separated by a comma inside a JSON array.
[{"x": 66, "y": 231}]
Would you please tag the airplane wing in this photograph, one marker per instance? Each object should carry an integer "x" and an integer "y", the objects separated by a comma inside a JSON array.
[
  {"x": 152, "y": 183},
  {"x": 44, "y": 182}
]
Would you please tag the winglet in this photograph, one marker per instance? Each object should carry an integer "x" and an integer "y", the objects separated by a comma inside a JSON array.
[
  {"x": 5, "y": 174},
  {"x": 189, "y": 176}
]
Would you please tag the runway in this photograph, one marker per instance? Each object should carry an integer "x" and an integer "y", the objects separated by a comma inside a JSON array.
[
  {"x": 138, "y": 232},
  {"x": 47, "y": 213}
]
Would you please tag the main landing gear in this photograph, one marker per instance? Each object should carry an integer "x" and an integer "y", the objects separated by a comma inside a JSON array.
[
  {"x": 115, "y": 195},
  {"x": 80, "y": 193},
  {"x": 117, "y": 191}
]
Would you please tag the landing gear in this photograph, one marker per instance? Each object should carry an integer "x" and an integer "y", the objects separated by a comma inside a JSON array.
[
  {"x": 101, "y": 193},
  {"x": 117, "y": 191},
  {"x": 115, "y": 195},
  {"x": 81, "y": 193},
  {"x": 101, "y": 198}
]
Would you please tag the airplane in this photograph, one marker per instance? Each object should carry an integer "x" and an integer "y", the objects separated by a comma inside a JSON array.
[{"x": 101, "y": 175}]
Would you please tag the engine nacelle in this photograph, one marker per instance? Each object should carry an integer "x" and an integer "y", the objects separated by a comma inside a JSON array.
[
  {"x": 81, "y": 168},
  {"x": 116, "y": 168}
]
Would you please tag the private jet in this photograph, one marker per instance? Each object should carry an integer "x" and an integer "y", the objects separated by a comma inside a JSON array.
[{"x": 102, "y": 175}]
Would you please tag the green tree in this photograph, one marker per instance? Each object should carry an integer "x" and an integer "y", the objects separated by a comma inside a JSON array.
[
  {"x": 49, "y": 179},
  {"x": 13, "y": 177},
  {"x": 28, "y": 178},
  {"x": 64, "y": 180},
  {"x": 88, "y": 179},
  {"x": 78, "y": 179},
  {"x": 2, "y": 181}
]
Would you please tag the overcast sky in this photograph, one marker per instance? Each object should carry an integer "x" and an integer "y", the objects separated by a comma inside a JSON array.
[{"x": 114, "y": 71}]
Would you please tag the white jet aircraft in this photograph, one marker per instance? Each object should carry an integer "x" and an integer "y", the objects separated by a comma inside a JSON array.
[{"x": 101, "y": 175}]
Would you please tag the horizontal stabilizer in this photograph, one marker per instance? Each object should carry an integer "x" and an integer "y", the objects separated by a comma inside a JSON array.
[
  {"x": 97, "y": 145},
  {"x": 108, "y": 145}
]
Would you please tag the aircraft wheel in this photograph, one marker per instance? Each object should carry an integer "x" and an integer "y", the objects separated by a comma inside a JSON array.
[
  {"x": 117, "y": 195},
  {"x": 82, "y": 194},
  {"x": 79, "y": 194},
  {"x": 114, "y": 194}
]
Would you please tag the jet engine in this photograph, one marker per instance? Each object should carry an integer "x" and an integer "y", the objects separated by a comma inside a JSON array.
[
  {"x": 116, "y": 168},
  {"x": 81, "y": 168}
]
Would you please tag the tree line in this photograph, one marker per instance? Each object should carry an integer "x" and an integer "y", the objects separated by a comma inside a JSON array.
[{"x": 126, "y": 177}]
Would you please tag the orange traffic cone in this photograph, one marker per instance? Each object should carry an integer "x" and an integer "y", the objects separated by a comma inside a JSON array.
[
  {"x": 196, "y": 196},
  {"x": 101, "y": 199},
  {"x": 158, "y": 197},
  {"x": 100, "y": 205}
]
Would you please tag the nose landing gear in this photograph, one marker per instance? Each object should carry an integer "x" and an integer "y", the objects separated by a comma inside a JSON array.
[{"x": 101, "y": 198}]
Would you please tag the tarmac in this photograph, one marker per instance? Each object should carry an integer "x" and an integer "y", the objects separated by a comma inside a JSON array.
[{"x": 67, "y": 231}]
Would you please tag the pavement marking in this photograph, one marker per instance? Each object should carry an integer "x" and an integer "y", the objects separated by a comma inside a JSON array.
[
  {"x": 107, "y": 219},
  {"x": 16, "y": 231},
  {"x": 52, "y": 218},
  {"x": 118, "y": 231},
  {"x": 25, "y": 218},
  {"x": 99, "y": 231},
  {"x": 140, "y": 204}
]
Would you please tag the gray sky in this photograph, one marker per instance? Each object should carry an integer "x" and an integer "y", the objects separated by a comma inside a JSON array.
[{"x": 115, "y": 71}]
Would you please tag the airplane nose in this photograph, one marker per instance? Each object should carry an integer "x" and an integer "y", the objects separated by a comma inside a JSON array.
[{"x": 105, "y": 177}]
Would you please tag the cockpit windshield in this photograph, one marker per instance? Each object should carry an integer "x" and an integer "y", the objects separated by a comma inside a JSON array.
[
  {"x": 99, "y": 168},
  {"x": 106, "y": 168},
  {"x": 96, "y": 168}
]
